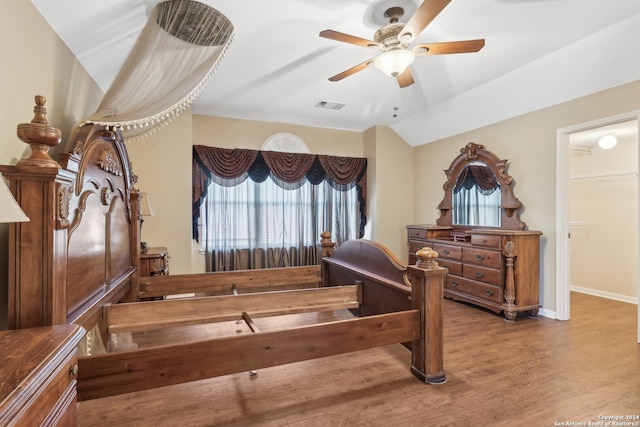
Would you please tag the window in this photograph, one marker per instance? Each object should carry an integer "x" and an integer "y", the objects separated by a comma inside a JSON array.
[
  {"x": 260, "y": 209},
  {"x": 260, "y": 217}
]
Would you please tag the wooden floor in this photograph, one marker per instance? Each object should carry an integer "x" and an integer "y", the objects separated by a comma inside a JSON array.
[{"x": 530, "y": 372}]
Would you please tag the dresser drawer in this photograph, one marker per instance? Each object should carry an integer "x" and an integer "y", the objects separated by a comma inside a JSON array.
[
  {"x": 474, "y": 288},
  {"x": 484, "y": 257},
  {"x": 454, "y": 267},
  {"x": 416, "y": 246},
  {"x": 485, "y": 240},
  {"x": 417, "y": 233},
  {"x": 483, "y": 274},
  {"x": 448, "y": 251}
]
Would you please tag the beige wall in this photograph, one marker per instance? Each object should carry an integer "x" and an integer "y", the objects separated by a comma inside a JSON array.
[
  {"x": 389, "y": 189},
  {"x": 604, "y": 235},
  {"x": 529, "y": 143},
  {"x": 234, "y": 133},
  {"x": 35, "y": 62},
  {"x": 163, "y": 165}
]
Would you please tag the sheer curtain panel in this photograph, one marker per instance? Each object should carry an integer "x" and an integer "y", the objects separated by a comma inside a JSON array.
[{"x": 262, "y": 209}]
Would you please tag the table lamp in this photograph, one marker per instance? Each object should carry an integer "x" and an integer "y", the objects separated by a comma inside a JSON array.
[
  {"x": 10, "y": 210},
  {"x": 145, "y": 210}
]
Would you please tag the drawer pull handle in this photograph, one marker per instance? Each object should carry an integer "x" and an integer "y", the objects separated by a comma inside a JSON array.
[
  {"x": 454, "y": 284},
  {"x": 479, "y": 275},
  {"x": 479, "y": 257},
  {"x": 74, "y": 370},
  {"x": 488, "y": 293},
  {"x": 445, "y": 251}
]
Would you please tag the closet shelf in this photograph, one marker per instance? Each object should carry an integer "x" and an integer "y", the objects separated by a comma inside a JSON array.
[
  {"x": 605, "y": 175},
  {"x": 579, "y": 224}
]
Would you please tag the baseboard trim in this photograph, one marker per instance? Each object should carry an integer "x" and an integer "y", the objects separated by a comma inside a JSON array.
[
  {"x": 604, "y": 294},
  {"x": 547, "y": 313}
]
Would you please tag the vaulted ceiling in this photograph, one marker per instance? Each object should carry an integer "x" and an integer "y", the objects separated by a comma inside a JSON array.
[{"x": 537, "y": 53}]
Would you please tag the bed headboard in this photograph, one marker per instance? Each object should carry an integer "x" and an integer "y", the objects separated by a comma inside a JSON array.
[{"x": 80, "y": 249}]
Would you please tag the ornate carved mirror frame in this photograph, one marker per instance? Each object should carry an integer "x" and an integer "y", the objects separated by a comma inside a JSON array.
[{"x": 509, "y": 205}]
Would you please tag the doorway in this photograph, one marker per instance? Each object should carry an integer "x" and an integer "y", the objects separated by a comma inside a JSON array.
[{"x": 564, "y": 147}]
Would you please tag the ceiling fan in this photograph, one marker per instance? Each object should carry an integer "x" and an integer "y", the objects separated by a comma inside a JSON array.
[{"x": 394, "y": 39}]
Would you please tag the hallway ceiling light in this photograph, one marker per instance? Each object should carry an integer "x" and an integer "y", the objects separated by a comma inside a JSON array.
[{"x": 607, "y": 142}]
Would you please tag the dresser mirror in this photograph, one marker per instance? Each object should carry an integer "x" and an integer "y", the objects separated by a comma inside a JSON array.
[
  {"x": 476, "y": 197},
  {"x": 479, "y": 193}
]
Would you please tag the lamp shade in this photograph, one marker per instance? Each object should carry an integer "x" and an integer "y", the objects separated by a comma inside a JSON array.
[
  {"x": 10, "y": 211},
  {"x": 394, "y": 62},
  {"x": 145, "y": 205}
]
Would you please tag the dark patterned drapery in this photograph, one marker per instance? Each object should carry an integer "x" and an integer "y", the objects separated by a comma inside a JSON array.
[
  {"x": 229, "y": 167},
  {"x": 481, "y": 176}
]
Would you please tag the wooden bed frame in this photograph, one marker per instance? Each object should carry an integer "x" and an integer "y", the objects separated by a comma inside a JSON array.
[{"x": 76, "y": 261}]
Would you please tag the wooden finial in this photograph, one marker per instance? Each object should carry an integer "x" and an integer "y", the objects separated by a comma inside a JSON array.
[
  {"x": 326, "y": 244},
  {"x": 40, "y": 137},
  {"x": 427, "y": 258}
]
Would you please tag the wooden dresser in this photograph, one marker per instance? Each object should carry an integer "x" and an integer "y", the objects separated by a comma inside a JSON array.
[
  {"x": 38, "y": 376},
  {"x": 154, "y": 262},
  {"x": 493, "y": 268}
]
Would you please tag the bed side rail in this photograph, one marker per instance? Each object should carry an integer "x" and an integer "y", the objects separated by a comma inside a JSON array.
[{"x": 223, "y": 282}]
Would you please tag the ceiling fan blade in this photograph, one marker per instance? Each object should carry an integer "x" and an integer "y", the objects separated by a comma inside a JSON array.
[
  {"x": 347, "y": 38},
  {"x": 406, "y": 78},
  {"x": 350, "y": 71},
  {"x": 422, "y": 17},
  {"x": 465, "y": 46}
]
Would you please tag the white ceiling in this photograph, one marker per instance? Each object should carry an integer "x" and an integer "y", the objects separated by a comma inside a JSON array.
[{"x": 537, "y": 53}]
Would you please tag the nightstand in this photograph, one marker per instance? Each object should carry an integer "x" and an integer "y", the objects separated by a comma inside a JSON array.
[
  {"x": 154, "y": 262},
  {"x": 38, "y": 375}
]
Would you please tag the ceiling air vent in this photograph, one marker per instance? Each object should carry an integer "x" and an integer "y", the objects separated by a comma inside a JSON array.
[{"x": 329, "y": 105}]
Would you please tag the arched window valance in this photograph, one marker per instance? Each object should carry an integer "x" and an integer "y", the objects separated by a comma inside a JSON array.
[
  {"x": 476, "y": 175},
  {"x": 229, "y": 167}
]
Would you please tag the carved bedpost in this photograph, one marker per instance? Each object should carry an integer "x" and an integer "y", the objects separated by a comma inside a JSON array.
[
  {"x": 40, "y": 136},
  {"x": 326, "y": 244},
  {"x": 37, "y": 292},
  {"x": 327, "y": 247},
  {"x": 427, "y": 279}
]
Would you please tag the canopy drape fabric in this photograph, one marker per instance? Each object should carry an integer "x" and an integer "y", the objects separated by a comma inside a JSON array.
[
  {"x": 228, "y": 167},
  {"x": 173, "y": 59}
]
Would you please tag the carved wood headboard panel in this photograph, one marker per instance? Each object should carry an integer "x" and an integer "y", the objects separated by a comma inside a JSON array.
[{"x": 80, "y": 249}]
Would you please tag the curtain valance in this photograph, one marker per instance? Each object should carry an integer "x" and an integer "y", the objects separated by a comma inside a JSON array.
[
  {"x": 229, "y": 167},
  {"x": 481, "y": 176}
]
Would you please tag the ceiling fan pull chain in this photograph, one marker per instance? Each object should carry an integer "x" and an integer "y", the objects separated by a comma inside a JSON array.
[{"x": 395, "y": 101}]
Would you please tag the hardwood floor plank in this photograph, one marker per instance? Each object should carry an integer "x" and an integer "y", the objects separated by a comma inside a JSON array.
[{"x": 529, "y": 372}]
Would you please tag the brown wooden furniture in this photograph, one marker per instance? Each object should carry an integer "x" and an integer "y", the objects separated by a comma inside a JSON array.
[
  {"x": 77, "y": 261},
  {"x": 38, "y": 376},
  {"x": 224, "y": 282},
  {"x": 497, "y": 268},
  {"x": 387, "y": 286},
  {"x": 154, "y": 262}
]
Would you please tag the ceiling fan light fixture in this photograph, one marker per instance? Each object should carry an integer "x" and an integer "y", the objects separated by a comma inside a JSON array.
[
  {"x": 394, "y": 62},
  {"x": 607, "y": 142}
]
